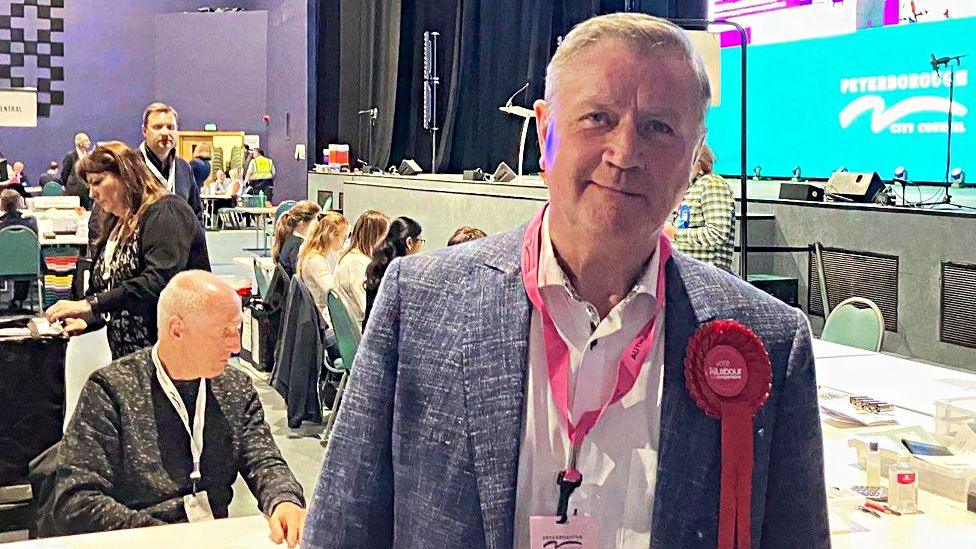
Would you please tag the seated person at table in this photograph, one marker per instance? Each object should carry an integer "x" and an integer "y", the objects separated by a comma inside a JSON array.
[
  {"x": 290, "y": 233},
  {"x": 350, "y": 277},
  {"x": 318, "y": 258},
  {"x": 50, "y": 175},
  {"x": 127, "y": 457},
  {"x": 403, "y": 238},
  {"x": 465, "y": 234},
  {"x": 234, "y": 185},
  {"x": 17, "y": 180},
  {"x": 10, "y": 203}
]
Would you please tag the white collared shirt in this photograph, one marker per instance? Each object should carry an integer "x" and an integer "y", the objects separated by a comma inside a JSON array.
[{"x": 618, "y": 458}]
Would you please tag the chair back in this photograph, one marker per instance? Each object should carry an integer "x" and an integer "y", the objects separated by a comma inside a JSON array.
[
  {"x": 861, "y": 327},
  {"x": 20, "y": 253},
  {"x": 261, "y": 279},
  {"x": 346, "y": 332},
  {"x": 282, "y": 208},
  {"x": 52, "y": 188}
]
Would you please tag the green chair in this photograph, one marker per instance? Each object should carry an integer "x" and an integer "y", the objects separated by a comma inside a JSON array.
[
  {"x": 855, "y": 322},
  {"x": 52, "y": 188},
  {"x": 282, "y": 208},
  {"x": 20, "y": 258},
  {"x": 261, "y": 280},
  {"x": 348, "y": 337}
]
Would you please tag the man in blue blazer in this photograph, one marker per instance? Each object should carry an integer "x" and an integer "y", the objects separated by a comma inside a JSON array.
[
  {"x": 159, "y": 129},
  {"x": 482, "y": 364}
]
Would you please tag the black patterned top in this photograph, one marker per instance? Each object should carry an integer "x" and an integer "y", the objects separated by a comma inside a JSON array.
[
  {"x": 167, "y": 240},
  {"x": 125, "y": 458}
]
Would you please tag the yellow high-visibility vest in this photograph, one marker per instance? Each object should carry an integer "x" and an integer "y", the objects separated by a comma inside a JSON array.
[{"x": 262, "y": 168}]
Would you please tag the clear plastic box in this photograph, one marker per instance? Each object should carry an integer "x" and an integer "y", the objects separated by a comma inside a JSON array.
[
  {"x": 945, "y": 481},
  {"x": 951, "y": 414},
  {"x": 841, "y": 504}
]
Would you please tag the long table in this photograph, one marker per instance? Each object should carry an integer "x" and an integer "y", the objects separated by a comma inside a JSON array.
[
  {"x": 912, "y": 387},
  {"x": 232, "y": 533}
]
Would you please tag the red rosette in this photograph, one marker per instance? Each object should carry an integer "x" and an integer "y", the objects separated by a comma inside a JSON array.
[
  {"x": 729, "y": 376},
  {"x": 727, "y": 344}
]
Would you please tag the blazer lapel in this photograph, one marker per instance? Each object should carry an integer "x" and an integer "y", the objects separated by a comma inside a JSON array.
[
  {"x": 686, "y": 494},
  {"x": 494, "y": 371}
]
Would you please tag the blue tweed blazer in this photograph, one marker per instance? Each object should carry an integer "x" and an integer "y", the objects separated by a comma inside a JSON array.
[{"x": 425, "y": 450}]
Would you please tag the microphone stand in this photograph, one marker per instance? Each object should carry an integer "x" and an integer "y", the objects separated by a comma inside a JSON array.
[
  {"x": 373, "y": 112},
  {"x": 952, "y": 89}
]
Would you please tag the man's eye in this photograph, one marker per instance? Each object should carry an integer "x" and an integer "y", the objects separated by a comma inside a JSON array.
[
  {"x": 597, "y": 118},
  {"x": 656, "y": 126}
]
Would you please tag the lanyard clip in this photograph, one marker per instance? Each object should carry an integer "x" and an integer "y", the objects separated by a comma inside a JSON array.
[{"x": 568, "y": 481}]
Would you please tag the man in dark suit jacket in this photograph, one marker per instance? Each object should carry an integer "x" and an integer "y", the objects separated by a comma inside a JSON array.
[
  {"x": 73, "y": 185},
  {"x": 452, "y": 433},
  {"x": 159, "y": 129}
]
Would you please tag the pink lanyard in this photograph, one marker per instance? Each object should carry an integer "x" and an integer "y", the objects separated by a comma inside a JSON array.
[{"x": 557, "y": 352}]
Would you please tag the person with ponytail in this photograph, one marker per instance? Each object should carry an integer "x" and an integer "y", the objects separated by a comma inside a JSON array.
[
  {"x": 350, "y": 278},
  {"x": 290, "y": 233},
  {"x": 148, "y": 235},
  {"x": 402, "y": 238},
  {"x": 318, "y": 257}
]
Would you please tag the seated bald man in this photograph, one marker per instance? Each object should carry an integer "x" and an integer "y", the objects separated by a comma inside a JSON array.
[{"x": 160, "y": 435}]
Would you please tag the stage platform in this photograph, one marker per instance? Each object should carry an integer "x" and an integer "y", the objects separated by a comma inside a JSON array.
[{"x": 901, "y": 257}]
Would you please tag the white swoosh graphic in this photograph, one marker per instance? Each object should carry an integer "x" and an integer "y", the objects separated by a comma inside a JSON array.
[{"x": 881, "y": 118}]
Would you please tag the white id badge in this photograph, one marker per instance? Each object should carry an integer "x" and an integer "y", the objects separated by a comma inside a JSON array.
[
  {"x": 197, "y": 507},
  {"x": 579, "y": 532}
]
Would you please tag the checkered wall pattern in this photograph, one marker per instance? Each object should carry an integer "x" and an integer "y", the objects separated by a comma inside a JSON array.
[{"x": 32, "y": 50}]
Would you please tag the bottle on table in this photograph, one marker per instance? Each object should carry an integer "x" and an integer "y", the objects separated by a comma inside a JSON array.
[
  {"x": 872, "y": 465},
  {"x": 903, "y": 486}
]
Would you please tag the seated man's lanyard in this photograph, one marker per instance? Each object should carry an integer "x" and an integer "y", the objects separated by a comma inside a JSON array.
[
  {"x": 557, "y": 356},
  {"x": 196, "y": 434}
]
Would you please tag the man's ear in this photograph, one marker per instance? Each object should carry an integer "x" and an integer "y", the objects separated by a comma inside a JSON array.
[
  {"x": 542, "y": 112},
  {"x": 176, "y": 328}
]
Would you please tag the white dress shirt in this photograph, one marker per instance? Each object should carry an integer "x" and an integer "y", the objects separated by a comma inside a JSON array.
[{"x": 618, "y": 458}]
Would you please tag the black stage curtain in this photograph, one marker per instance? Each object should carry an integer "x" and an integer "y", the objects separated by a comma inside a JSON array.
[{"x": 487, "y": 49}]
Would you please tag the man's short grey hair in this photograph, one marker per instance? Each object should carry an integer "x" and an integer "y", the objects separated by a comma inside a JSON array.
[
  {"x": 79, "y": 137},
  {"x": 188, "y": 293},
  {"x": 642, "y": 33}
]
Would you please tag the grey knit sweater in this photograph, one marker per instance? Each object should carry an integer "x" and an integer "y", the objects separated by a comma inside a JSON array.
[{"x": 125, "y": 457}]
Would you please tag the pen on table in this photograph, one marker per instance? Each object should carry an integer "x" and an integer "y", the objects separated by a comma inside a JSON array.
[
  {"x": 881, "y": 508},
  {"x": 869, "y": 511}
]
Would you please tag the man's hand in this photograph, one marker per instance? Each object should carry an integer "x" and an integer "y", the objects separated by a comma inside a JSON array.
[
  {"x": 669, "y": 231},
  {"x": 287, "y": 521}
]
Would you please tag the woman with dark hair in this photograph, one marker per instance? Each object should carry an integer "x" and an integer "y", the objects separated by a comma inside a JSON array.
[
  {"x": 148, "y": 235},
  {"x": 402, "y": 238},
  {"x": 290, "y": 233}
]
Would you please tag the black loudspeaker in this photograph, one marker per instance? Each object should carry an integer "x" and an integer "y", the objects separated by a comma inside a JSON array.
[
  {"x": 503, "y": 174},
  {"x": 409, "y": 166},
  {"x": 674, "y": 9},
  {"x": 855, "y": 186},
  {"x": 801, "y": 191}
]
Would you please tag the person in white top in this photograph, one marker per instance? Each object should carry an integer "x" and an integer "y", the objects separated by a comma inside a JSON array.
[
  {"x": 318, "y": 257},
  {"x": 350, "y": 277}
]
